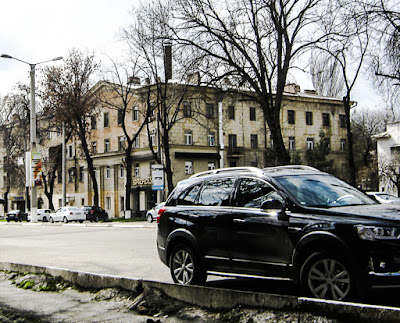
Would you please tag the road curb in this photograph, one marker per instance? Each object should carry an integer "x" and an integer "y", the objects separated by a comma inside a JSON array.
[{"x": 217, "y": 299}]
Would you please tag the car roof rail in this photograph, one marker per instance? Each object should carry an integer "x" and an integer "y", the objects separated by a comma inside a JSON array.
[
  {"x": 290, "y": 167},
  {"x": 229, "y": 170}
]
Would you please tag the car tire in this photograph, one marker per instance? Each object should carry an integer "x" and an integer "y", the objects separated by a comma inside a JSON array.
[
  {"x": 327, "y": 276},
  {"x": 44, "y": 219},
  {"x": 96, "y": 219},
  {"x": 65, "y": 220},
  {"x": 51, "y": 220},
  {"x": 185, "y": 267},
  {"x": 8, "y": 220},
  {"x": 149, "y": 218}
]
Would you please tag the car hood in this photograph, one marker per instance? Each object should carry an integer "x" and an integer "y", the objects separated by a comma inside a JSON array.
[{"x": 361, "y": 213}]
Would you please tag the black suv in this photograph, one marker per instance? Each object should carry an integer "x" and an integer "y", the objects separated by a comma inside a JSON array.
[
  {"x": 95, "y": 213},
  {"x": 288, "y": 222}
]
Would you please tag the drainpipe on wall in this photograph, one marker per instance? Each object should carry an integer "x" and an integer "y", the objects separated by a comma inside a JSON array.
[{"x": 221, "y": 135}]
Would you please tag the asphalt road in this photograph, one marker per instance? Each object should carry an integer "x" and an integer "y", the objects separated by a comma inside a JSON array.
[{"x": 127, "y": 250}]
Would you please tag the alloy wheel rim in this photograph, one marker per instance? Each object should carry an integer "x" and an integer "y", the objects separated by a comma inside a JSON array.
[
  {"x": 328, "y": 278},
  {"x": 183, "y": 267}
]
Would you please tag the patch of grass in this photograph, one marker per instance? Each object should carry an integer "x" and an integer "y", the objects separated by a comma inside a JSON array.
[{"x": 26, "y": 284}]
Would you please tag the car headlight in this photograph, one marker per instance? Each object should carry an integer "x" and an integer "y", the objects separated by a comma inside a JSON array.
[{"x": 373, "y": 233}]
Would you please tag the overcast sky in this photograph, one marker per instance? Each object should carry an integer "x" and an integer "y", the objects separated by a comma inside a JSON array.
[{"x": 39, "y": 30}]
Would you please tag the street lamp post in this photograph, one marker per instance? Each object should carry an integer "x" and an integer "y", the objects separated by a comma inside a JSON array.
[{"x": 32, "y": 126}]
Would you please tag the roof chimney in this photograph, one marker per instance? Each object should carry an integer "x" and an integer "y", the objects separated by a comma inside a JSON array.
[{"x": 168, "y": 59}]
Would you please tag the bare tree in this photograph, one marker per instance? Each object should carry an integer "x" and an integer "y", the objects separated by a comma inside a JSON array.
[
  {"x": 68, "y": 99},
  {"x": 253, "y": 43},
  {"x": 121, "y": 94},
  {"x": 347, "y": 43}
]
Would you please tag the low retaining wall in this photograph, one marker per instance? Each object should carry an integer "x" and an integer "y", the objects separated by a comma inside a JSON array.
[{"x": 213, "y": 298}]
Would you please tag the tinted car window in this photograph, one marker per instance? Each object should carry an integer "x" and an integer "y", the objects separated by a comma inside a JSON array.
[
  {"x": 188, "y": 197},
  {"x": 216, "y": 192},
  {"x": 253, "y": 192},
  {"x": 323, "y": 191}
]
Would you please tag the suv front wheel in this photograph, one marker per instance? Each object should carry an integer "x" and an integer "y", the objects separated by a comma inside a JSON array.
[
  {"x": 185, "y": 267},
  {"x": 327, "y": 276}
]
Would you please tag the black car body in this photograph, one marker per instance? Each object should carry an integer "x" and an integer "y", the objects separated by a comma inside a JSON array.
[
  {"x": 16, "y": 215},
  {"x": 291, "y": 223},
  {"x": 95, "y": 213}
]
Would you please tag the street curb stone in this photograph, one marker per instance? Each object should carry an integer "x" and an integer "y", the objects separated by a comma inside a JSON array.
[{"x": 215, "y": 299}]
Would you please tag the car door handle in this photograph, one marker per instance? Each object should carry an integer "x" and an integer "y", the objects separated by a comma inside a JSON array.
[{"x": 239, "y": 220}]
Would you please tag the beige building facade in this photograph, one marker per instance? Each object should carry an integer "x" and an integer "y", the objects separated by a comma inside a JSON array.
[{"x": 213, "y": 129}]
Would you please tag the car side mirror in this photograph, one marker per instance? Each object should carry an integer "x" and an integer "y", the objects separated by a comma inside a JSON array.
[{"x": 276, "y": 205}]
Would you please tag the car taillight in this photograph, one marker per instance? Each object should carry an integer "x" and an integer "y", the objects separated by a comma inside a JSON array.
[
  {"x": 160, "y": 212},
  {"x": 91, "y": 211}
]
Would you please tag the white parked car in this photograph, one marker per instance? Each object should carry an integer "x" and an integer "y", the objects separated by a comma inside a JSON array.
[
  {"x": 151, "y": 214},
  {"x": 42, "y": 215},
  {"x": 67, "y": 214},
  {"x": 384, "y": 198}
]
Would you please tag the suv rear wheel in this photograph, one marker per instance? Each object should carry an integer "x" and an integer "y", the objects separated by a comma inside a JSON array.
[
  {"x": 185, "y": 268},
  {"x": 324, "y": 275}
]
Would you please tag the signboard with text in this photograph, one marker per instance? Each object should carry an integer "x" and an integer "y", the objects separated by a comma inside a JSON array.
[{"x": 158, "y": 177}]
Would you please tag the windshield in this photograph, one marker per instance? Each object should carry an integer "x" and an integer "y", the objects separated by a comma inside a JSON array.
[{"x": 321, "y": 190}]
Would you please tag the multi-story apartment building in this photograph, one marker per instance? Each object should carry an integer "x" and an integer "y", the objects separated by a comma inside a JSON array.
[{"x": 212, "y": 129}]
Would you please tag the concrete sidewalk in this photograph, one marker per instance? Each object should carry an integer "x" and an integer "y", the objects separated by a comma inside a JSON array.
[{"x": 118, "y": 299}]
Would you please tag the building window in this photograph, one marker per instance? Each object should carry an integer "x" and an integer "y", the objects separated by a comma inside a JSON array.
[
  {"x": 136, "y": 170},
  {"x": 209, "y": 110},
  {"x": 70, "y": 153},
  {"x": 327, "y": 142},
  {"x": 231, "y": 112},
  {"x": 94, "y": 147},
  {"x": 292, "y": 143},
  {"x": 309, "y": 118},
  {"x": 326, "y": 122},
  {"x": 108, "y": 203},
  {"x": 187, "y": 109},
  {"x": 310, "y": 143},
  {"x": 188, "y": 138},
  {"x": 252, "y": 114},
  {"x": 81, "y": 174},
  {"x": 188, "y": 167},
  {"x": 120, "y": 116},
  {"x": 121, "y": 203},
  {"x": 254, "y": 141},
  {"x": 135, "y": 114},
  {"x": 121, "y": 143},
  {"x": 71, "y": 174},
  {"x": 211, "y": 139},
  {"x": 121, "y": 171},
  {"x": 136, "y": 143},
  {"x": 342, "y": 144},
  {"x": 108, "y": 172},
  {"x": 291, "y": 117},
  {"x": 232, "y": 141},
  {"x": 211, "y": 165},
  {"x": 106, "y": 120},
  {"x": 342, "y": 121},
  {"x": 232, "y": 164},
  {"x": 153, "y": 134},
  {"x": 106, "y": 145},
  {"x": 93, "y": 122}
]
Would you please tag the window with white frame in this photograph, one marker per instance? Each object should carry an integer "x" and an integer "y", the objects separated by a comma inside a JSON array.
[
  {"x": 153, "y": 136},
  {"x": 136, "y": 143},
  {"x": 106, "y": 145},
  {"x": 292, "y": 143},
  {"x": 106, "y": 120},
  {"x": 121, "y": 143},
  {"x": 188, "y": 138},
  {"x": 136, "y": 170},
  {"x": 310, "y": 143},
  {"x": 211, "y": 165},
  {"x": 108, "y": 172},
  {"x": 342, "y": 144},
  {"x": 108, "y": 202},
  {"x": 94, "y": 147},
  {"x": 71, "y": 173},
  {"x": 187, "y": 109},
  {"x": 211, "y": 139},
  {"x": 135, "y": 114},
  {"x": 189, "y": 167}
]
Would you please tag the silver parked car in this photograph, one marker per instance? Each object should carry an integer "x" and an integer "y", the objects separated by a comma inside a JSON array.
[
  {"x": 67, "y": 214},
  {"x": 384, "y": 198},
  {"x": 152, "y": 214}
]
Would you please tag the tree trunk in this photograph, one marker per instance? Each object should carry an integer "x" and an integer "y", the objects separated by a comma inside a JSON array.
[{"x": 350, "y": 155}]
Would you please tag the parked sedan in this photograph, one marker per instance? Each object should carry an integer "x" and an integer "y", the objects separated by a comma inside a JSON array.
[
  {"x": 95, "y": 213},
  {"x": 151, "y": 214},
  {"x": 67, "y": 214},
  {"x": 42, "y": 215},
  {"x": 16, "y": 215},
  {"x": 384, "y": 198}
]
